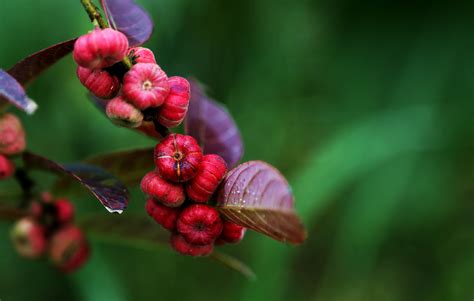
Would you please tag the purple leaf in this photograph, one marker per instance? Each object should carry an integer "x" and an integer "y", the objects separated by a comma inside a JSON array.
[
  {"x": 30, "y": 67},
  {"x": 255, "y": 195},
  {"x": 105, "y": 187},
  {"x": 129, "y": 18},
  {"x": 11, "y": 91},
  {"x": 213, "y": 127}
]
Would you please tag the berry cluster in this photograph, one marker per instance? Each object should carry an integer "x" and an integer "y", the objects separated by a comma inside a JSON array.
[
  {"x": 12, "y": 142},
  {"x": 178, "y": 191},
  {"x": 49, "y": 229},
  {"x": 144, "y": 87}
]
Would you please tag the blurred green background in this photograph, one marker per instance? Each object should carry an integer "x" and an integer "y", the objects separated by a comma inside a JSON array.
[{"x": 366, "y": 106}]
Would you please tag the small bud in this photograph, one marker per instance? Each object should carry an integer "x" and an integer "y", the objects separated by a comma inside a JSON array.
[
  {"x": 183, "y": 247},
  {"x": 199, "y": 224},
  {"x": 145, "y": 86},
  {"x": 211, "y": 172},
  {"x": 175, "y": 107},
  {"x": 141, "y": 55},
  {"x": 163, "y": 215},
  {"x": 123, "y": 113},
  {"x": 231, "y": 233},
  {"x": 69, "y": 249},
  {"x": 99, "y": 82},
  {"x": 64, "y": 211},
  {"x": 7, "y": 168},
  {"x": 28, "y": 238},
  {"x": 167, "y": 193},
  {"x": 177, "y": 157},
  {"x": 12, "y": 135},
  {"x": 100, "y": 48}
]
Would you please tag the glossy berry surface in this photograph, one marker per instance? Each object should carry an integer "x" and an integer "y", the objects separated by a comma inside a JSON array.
[
  {"x": 177, "y": 157},
  {"x": 199, "y": 224},
  {"x": 183, "y": 247},
  {"x": 64, "y": 211},
  {"x": 123, "y": 113},
  {"x": 163, "y": 215},
  {"x": 167, "y": 193},
  {"x": 211, "y": 172},
  {"x": 141, "y": 55},
  {"x": 99, "y": 82},
  {"x": 29, "y": 238},
  {"x": 175, "y": 107},
  {"x": 231, "y": 233},
  {"x": 12, "y": 135},
  {"x": 145, "y": 85},
  {"x": 69, "y": 249},
  {"x": 100, "y": 48},
  {"x": 7, "y": 168}
]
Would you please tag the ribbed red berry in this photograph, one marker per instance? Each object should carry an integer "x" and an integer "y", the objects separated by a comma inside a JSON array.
[
  {"x": 29, "y": 238},
  {"x": 68, "y": 249},
  {"x": 163, "y": 215},
  {"x": 183, "y": 247},
  {"x": 141, "y": 55},
  {"x": 231, "y": 233},
  {"x": 123, "y": 113},
  {"x": 7, "y": 168},
  {"x": 175, "y": 107},
  {"x": 12, "y": 135},
  {"x": 145, "y": 85},
  {"x": 177, "y": 157},
  {"x": 211, "y": 172},
  {"x": 100, "y": 48},
  {"x": 199, "y": 224},
  {"x": 99, "y": 82},
  {"x": 64, "y": 211},
  {"x": 167, "y": 193}
]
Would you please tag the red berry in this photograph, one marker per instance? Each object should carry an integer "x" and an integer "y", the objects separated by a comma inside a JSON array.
[
  {"x": 145, "y": 86},
  {"x": 100, "y": 82},
  {"x": 210, "y": 174},
  {"x": 141, "y": 55},
  {"x": 100, "y": 48},
  {"x": 28, "y": 238},
  {"x": 177, "y": 157},
  {"x": 163, "y": 215},
  {"x": 7, "y": 168},
  {"x": 231, "y": 233},
  {"x": 12, "y": 135},
  {"x": 199, "y": 224},
  {"x": 123, "y": 113},
  {"x": 174, "y": 109},
  {"x": 69, "y": 249},
  {"x": 167, "y": 193},
  {"x": 64, "y": 211},
  {"x": 181, "y": 246}
]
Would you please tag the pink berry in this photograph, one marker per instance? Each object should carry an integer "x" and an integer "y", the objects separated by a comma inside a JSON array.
[
  {"x": 175, "y": 107},
  {"x": 7, "y": 168},
  {"x": 68, "y": 249},
  {"x": 12, "y": 135},
  {"x": 123, "y": 113},
  {"x": 163, "y": 215},
  {"x": 177, "y": 157},
  {"x": 100, "y": 48},
  {"x": 145, "y": 86},
  {"x": 199, "y": 224},
  {"x": 167, "y": 193},
  {"x": 64, "y": 211},
  {"x": 28, "y": 238},
  {"x": 211, "y": 172},
  {"x": 183, "y": 247},
  {"x": 231, "y": 233},
  {"x": 100, "y": 82},
  {"x": 141, "y": 55}
]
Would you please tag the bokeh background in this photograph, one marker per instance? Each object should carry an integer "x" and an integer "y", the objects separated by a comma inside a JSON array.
[{"x": 366, "y": 106}]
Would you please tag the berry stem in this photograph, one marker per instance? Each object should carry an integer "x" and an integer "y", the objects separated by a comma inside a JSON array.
[
  {"x": 26, "y": 184},
  {"x": 162, "y": 130},
  {"x": 94, "y": 13}
]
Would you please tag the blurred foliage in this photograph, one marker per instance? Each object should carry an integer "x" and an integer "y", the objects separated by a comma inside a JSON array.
[{"x": 366, "y": 106}]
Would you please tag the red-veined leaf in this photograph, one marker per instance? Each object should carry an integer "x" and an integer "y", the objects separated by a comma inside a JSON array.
[{"x": 255, "y": 195}]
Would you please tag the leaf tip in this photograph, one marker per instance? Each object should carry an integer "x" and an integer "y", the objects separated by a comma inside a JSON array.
[{"x": 31, "y": 107}]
